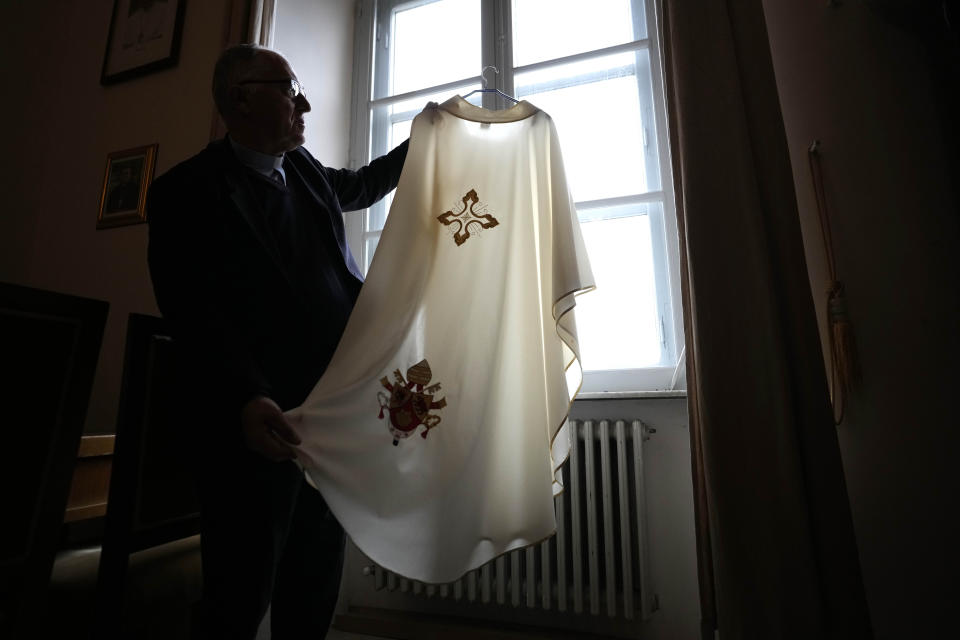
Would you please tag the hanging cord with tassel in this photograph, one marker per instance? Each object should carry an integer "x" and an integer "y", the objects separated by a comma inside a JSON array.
[{"x": 844, "y": 368}]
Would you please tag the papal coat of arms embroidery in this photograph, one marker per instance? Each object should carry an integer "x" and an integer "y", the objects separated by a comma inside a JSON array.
[
  {"x": 469, "y": 216},
  {"x": 410, "y": 402}
]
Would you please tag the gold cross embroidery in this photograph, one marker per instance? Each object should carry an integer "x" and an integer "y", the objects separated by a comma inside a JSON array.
[{"x": 469, "y": 217}]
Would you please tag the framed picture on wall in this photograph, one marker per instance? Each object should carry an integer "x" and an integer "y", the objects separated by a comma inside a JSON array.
[
  {"x": 144, "y": 36},
  {"x": 125, "y": 181}
]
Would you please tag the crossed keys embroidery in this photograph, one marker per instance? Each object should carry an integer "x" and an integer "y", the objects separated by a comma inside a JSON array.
[{"x": 468, "y": 216}]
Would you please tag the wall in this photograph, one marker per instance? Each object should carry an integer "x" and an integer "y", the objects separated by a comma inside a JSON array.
[
  {"x": 864, "y": 88},
  {"x": 317, "y": 37},
  {"x": 60, "y": 126}
]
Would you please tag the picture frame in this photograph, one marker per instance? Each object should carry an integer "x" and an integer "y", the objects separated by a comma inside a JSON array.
[
  {"x": 144, "y": 36},
  {"x": 123, "y": 197}
]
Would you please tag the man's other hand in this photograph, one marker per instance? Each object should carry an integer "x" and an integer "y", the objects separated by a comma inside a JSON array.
[{"x": 266, "y": 430}]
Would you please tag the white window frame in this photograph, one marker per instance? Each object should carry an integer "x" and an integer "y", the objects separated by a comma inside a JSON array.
[{"x": 372, "y": 34}]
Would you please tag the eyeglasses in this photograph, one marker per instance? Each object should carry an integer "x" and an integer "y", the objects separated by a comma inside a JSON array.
[{"x": 294, "y": 88}]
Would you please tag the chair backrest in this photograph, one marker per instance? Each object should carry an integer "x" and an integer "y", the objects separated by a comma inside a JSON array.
[
  {"x": 49, "y": 345},
  {"x": 152, "y": 497}
]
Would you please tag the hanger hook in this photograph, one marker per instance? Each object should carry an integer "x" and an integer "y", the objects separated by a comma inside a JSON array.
[{"x": 483, "y": 77}]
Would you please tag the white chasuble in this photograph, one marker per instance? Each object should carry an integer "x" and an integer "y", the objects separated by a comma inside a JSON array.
[{"x": 437, "y": 432}]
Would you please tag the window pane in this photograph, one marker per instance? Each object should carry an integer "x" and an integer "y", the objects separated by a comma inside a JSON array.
[
  {"x": 398, "y": 119},
  {"x": 434, "y": 43},
  {"x": 377, "y": 214},
  {"x": 370, "y": 248},
  {"x": 402, "y": 114},
  {"x": 399, "y": 132},
  {"x": 413, "y": 106},
  {"x": 596, "y": 107},
  {"x": 547, "y": 29},
  {"x": 618, "y": 322}
]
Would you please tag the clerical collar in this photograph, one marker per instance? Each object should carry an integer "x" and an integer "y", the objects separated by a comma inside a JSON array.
[{"x": 262, "y": 163}]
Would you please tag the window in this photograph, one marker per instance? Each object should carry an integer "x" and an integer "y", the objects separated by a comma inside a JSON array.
[{"x": 594, "y": 67}]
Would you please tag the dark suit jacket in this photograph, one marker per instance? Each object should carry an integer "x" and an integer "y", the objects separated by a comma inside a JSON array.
[{"x": 241, "y": 322}]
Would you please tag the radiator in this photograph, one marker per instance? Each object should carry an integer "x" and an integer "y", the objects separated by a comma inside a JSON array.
[{"x": 597, "y": 563}]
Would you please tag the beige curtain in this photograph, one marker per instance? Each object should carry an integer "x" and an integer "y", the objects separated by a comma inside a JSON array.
[
  {"x": 772, "y": 504},
  {"x": 262, "y": 22},
  {"x": 245, "y": 21}
]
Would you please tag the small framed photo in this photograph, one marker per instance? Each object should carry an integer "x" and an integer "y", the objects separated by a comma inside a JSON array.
[
  {"x": 144, "y": 36},
  {"x": 125, "y": 181}
]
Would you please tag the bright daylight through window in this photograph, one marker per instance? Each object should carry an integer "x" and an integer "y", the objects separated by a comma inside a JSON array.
[{"x": 594, "y": 67}]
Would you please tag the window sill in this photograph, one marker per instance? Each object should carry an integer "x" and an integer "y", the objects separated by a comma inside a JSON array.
[{"x": 630, "y": 395}]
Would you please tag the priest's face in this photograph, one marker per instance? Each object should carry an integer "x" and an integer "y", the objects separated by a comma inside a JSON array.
[{"x": 274, "y": 104}]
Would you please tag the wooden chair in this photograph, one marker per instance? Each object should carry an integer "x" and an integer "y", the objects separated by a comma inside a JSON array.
[
  {"x": 152, "y": 499},
  {"x": 49, "y": 345}
]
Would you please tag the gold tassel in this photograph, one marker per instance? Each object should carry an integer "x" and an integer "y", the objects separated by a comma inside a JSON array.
[
  {"x": 843, "y": 345},
  {"x": 844, "y": 365}
]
